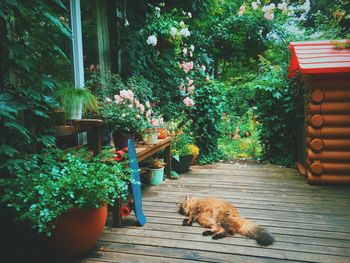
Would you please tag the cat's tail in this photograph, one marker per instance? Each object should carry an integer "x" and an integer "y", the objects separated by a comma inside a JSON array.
[{"x": 253, "y": 230}]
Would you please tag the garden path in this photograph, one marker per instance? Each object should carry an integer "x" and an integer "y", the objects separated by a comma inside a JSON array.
[{"x": 310, "y": 223}]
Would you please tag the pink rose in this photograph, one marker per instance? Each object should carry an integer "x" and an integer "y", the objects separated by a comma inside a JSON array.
[
  {"x": 148, "y": 113},
  {"x": 118, "y": 98},
  {"x": 190, "y": 82},
  {"x": 142, "y": 108},
  {"x": 191, "y": 89},
  {"x": 188, "y": 102},
  {"x": 137, "y": 103}
]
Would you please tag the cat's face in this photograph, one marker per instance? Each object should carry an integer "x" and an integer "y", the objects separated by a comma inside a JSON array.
[{"x": 184, "y": 207}]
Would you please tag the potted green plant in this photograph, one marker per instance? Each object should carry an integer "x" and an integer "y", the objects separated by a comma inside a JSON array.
[
  {"x": 150, "y": 133},
  {"x": 64, "y": 196},
  {"x": 75, "y": 101},
  {"x": 182, "y": 151},
  {"x": 155, "y": 172},
  {"x": 124, "y": 116}
]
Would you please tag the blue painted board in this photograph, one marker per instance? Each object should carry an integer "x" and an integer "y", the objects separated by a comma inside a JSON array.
[{"x": 136, "y": 185}]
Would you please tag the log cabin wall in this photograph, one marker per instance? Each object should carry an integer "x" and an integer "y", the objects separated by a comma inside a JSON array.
[{"x": 327, "y": 125}]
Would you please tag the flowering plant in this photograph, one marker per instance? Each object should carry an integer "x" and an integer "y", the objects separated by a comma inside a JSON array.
[
  {"x": 183, "y": 145},
  {"x": 125, "y": 113}
]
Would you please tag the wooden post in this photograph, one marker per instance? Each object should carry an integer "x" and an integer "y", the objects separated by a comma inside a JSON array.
[
  {"x": 167, "y": 154},
  {"x": 103, "y": 40},
  {"x": 116, "y": 215}
]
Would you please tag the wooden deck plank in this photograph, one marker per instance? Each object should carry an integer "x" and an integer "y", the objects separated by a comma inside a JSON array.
[
  {"x": 239, "y": 241},
  {"x": 310, "y": 223}
]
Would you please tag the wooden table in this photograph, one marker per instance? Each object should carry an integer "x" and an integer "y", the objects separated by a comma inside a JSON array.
[{"x": 144, "y": 151}]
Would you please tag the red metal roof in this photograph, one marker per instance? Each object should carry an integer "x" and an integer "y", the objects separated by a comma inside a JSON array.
[{"x": 315, "y": 57}]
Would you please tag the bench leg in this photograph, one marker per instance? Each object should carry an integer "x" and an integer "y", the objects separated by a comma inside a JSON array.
[
  {"x": 116, "y": 215},
  {"x": 167, "y": 154}
]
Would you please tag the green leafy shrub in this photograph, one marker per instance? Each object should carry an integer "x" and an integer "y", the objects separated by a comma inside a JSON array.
[
  {"x": 46, "y": 185},
  {"x": 206, "y": 119}
]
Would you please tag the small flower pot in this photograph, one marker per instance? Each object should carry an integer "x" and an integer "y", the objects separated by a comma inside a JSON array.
[
  {"x": 162, "y": 133},
  {"x": 75, "y": 111},
  {"x": 150, "y": 136},
  {"x": 155, "y": 176},
  {"x": 121, "y": 140},
  {"x": 183, "y": 165}
]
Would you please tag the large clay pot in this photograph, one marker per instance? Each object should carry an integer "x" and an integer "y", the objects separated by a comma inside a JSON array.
[
  {"x": 183, "y": 165},
  {"x": 77, "y": 231},
  {"x": 121, "y": 140}
]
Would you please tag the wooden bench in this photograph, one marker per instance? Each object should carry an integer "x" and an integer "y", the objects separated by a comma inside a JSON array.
[{"x": 94, "y": 129}]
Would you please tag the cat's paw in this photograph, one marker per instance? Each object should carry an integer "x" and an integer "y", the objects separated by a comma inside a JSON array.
[
  {"x": 218, "y": 236},
  {"x": 186, "y": 222},
  {"x": 207, "y": 233}
]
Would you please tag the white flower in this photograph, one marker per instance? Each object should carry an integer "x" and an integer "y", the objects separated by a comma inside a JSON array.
[
  {"x": 241, "y": 10},
  {"x": 157, "y": 8},
  {"x": 189, "y": 14},
  {"x": 185, "y": 32},
  {"x": 152, "y": 40},
  {"x": 192, "y": 48},
  {"x": 203, "y": 67},
  {"x": 272, "y": 6},
  {"x": 123, "y": 115},
  {"x": 173, "y": 31},
  {"x": 269, "y": 15},
  {"x": 148, "y": 105},
  {"x": 127, "y": 94},
  {"x": 283, "y": 7},
  {"x": 184, "y": 51},
  {"x": 191, "y": 54},
  {"x": 255, "y": 5},
  {"x": 182, "y": 24},
  {"x": 108, "y": 100}
]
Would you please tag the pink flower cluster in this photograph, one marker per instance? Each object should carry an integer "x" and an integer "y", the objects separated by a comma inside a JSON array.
[
  {"x": 188, "y": 102},
  {"x": 127, "y": 96},
  {"x": 186, "y": 66}
]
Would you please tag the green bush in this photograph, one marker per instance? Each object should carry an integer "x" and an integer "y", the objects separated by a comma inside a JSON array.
[{"x": 46, "y": 185}]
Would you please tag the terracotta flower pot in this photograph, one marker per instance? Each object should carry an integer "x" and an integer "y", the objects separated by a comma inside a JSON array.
[
  {"x": 77, "y": 231},
  {"x": 162, "y": 133}
]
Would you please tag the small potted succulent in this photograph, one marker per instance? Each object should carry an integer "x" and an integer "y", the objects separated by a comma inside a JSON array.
[
  {"x": 64, "y": 196},
  {"x": 155, "y": 172}
]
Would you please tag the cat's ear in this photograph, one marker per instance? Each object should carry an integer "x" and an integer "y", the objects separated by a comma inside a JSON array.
[{"x": 178, "y": 205}]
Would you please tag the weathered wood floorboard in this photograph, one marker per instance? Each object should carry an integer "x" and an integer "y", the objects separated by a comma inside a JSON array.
[{"x": 310, "y": 223}]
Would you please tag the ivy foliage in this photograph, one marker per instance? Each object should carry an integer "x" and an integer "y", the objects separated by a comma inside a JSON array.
[{"x": 25, "y": 85}]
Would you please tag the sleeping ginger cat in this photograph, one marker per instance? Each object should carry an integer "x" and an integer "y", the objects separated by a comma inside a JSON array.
[{"x": 222, "y": 218}]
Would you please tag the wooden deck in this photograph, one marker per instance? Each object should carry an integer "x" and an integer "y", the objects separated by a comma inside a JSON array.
[{"x": 310, "y": 223}]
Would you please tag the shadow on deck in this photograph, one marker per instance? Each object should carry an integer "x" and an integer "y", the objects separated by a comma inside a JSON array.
[{"x": 310, "y": 223}]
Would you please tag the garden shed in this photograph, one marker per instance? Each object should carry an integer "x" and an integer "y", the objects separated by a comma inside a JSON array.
[{"x": 324, "y": 135}]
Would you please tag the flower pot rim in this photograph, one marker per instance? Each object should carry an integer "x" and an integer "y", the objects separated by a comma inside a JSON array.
[{"x": 155, "y": 169}]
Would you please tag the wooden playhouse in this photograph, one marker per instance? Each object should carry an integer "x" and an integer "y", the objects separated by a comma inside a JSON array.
[{"x": 324, "y": 138}]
